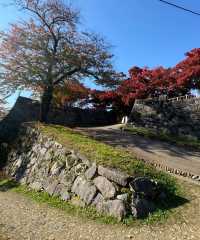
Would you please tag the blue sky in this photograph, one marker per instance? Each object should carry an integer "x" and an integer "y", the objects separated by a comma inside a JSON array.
[{"x": 142, "y": 32}]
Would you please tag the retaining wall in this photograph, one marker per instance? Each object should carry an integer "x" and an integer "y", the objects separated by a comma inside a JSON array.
[
  {"x": 27, "y": 110},
  {"x": 177, "y": 116},
  {"x": 45, "y": 165}
]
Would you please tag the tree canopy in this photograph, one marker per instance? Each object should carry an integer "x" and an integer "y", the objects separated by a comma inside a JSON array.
[
  {"x": 49, "y": 49},
  {"x": 70, "y": 95},
  {"x": 49, "y": 54},
  {"x": 144, "y": 82}
]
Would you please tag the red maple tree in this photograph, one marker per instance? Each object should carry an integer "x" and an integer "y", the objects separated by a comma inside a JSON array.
[
  {"x": 144, "y": 82},
  {"x": 188, "y": 71},
  {"x": 73, "y": 92}
]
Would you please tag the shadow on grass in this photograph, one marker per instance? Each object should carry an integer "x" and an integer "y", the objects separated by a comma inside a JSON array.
[
  {"x": 149, "y": 133},
  {"x": 6, "y": 185},
  {"x": 171, "y": 202},
  {"x": 163, "y": 210}
]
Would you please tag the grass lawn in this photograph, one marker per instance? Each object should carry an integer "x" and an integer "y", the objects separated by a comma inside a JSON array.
[{"x": 150, "y": 133}]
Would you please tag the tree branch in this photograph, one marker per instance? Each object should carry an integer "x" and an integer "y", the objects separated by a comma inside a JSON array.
[
  {"x": 60, "y": 79},
  {"x": 44, "y": 21},
  {"x": 90, "y": 73}
]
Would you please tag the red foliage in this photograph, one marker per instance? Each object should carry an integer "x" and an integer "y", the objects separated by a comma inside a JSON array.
[
  {"x": 70, "y": 94},
  {"x": 144, "y": 82},
  {"x": 188, "y": 70}
]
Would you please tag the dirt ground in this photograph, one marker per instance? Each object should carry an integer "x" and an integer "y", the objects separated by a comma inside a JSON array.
[{"x": 21, "y": 218}]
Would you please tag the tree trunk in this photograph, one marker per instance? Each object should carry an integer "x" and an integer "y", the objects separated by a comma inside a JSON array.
[{"x": 45, "y": 103}]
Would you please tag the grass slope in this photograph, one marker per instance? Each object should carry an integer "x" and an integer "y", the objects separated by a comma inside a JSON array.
[
  {"x": 108, "y": 156},
  {"x": 104, "y": 154}
]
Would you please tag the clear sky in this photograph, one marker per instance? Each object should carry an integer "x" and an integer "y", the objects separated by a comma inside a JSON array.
[{"x": 142, "y": 32}]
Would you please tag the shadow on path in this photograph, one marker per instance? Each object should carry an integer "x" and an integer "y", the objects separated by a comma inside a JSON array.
[
  {"x": 6, "y": 185},
  {"x": 149, "y": 149}
]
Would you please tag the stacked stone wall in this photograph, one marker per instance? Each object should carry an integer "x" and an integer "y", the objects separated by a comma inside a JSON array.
[
  {"x": 27, "y": 110},
  {"x": 177, "y": 116},
  {"x": 45, "y": 165}
]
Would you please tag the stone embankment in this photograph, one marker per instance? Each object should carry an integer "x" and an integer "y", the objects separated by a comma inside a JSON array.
[
  {"x": 45, "y": 165},
  {"x": 177, "y": 116}
]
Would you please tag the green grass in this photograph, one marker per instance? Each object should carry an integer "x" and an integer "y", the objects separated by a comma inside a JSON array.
[
  {"x": 86, "y": 213},
  {"x": 106, "y": 155},
  {"x": 43, "y": 197},
  {"x": 109, "y": 156},
  {"x": 150, "y": 133}
]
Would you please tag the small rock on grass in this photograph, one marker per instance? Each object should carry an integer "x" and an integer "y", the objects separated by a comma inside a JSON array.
[
  {"x": 65, "y": 195},
  {"x": 36, "y": 186}
]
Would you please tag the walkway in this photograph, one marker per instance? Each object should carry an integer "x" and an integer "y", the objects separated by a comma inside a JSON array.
[{"x": 151, "y": 150}]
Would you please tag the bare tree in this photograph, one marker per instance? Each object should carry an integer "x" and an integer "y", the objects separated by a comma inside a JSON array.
[{"x": 49, "y": 49}]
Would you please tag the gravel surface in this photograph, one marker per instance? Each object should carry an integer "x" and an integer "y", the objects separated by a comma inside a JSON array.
[{"x": 21, "y": 218}]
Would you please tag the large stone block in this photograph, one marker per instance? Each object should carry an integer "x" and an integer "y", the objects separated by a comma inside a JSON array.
[
  {"x": 58, "y": 190},
  {"x": 115, "y": 208},
  {"x": 98, "y": 202},
  {"x": 84, "y": 189},
  {"x": 141, "y": 207},
  {"x": 79, "y": 169},
  {"x": 67, "y": 178},
  {"x": 106, "y": 187},
  {"x": 71, "y": 161},
  {"x": 90, "y": 173},
  {"x": 56, "y": 168},
  {"x": 83, "y": 159},
  {"x": 51, "y": 187},
  {"x": 145, "y": 187},
  {"x": 114, "y": 175}
]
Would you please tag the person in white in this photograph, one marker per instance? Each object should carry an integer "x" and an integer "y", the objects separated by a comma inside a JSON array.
[{"x": 124, "y": 120}]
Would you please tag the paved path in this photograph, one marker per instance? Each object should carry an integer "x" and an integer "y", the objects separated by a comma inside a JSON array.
[
  {"x": 23, "y": 219},
  {"x": 151, "y": 150}
]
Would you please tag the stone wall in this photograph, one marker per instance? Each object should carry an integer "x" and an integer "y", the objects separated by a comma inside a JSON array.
[
  {"x": 27, "y": 110},
  {"x": 178, "y": 116},
  {"x": 45, "y": 165}
]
